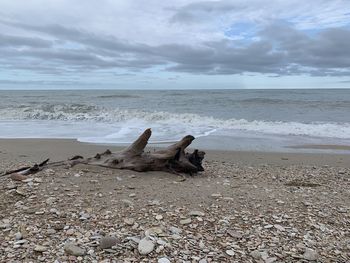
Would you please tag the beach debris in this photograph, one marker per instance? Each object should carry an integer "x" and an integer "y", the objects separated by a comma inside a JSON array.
[{"x": 172, "y": 159}]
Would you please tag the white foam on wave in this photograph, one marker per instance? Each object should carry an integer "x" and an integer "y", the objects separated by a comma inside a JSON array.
[{"x": 167, "y": 125}]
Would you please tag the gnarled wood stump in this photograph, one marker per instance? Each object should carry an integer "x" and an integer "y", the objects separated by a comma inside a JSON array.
[{"x": 172, "y": 159}]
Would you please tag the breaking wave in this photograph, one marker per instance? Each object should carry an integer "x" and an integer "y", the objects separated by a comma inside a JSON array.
[{"x": 159, "y": 119}]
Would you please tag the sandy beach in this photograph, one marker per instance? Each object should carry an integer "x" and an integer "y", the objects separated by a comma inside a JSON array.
[{"x": 245, "y": 207}]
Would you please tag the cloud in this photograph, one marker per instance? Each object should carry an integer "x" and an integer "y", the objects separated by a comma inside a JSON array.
[
  {"x": 316, "y": 13},
  {"x": 18, "y": 41},
  {"x": 189, "y": 38}
]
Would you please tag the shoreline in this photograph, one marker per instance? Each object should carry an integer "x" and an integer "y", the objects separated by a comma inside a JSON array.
[{"x": 35, "y": 150}]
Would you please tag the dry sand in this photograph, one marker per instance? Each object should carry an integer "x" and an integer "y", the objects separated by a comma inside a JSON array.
[{"x": 246, "y": 207}]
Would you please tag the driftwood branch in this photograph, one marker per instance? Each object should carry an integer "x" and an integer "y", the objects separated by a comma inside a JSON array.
[{"x": 172, "y": 159}]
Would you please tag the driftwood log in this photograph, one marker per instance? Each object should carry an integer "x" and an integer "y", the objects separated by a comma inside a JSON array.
[{"x": 172, "y": 159}]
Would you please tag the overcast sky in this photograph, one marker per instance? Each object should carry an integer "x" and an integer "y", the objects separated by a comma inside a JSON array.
[{"x": 135, "y": 44}]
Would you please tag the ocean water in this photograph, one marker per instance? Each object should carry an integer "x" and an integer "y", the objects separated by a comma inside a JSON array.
[{"x": 263, "y": 120}]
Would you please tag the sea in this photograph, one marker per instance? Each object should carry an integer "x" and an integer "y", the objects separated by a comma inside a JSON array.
[{"x": 245, "y": 120}]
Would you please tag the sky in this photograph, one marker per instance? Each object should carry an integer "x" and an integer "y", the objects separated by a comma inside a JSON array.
[{"x": 178, "y": 44}]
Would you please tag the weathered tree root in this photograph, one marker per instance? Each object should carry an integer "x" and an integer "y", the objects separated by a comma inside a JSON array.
[{"x": 172, "y": 159}]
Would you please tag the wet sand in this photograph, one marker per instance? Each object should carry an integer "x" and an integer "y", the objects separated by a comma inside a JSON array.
[{"x": 35, "y": 150}]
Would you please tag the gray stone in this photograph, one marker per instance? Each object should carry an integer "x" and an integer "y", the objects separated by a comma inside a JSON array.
[
  {"x": 129, "y": 221},
  {"x": 196, "y": 213},
  {"x": 84, "y": 216},
  {"x": 74, "y": 250},
  {"x": 310, "y": 254},
  {"x": 255, "y": 254},
  {"x": 108, "y": 242},
  {"x": 145, "y": 246},
  {"x": 20, "y": 242},
  {"x": 39, "y": 248},
  {"x": 279, "y": 227},
  {"x": 235, "y": 234},
  {"x": 270, "y": 260},
  {"x": 127, "y": 203},
  {"x": 5, "y": 225},
  {"x": 18, "y": 236},
  {"x": 50, "y": 200},
  {"x": 51, "y": 231},
  {"x": 163, "y": 260},
  {"x": 175, "y": 230},
  {"x": 186, "y": 221}
]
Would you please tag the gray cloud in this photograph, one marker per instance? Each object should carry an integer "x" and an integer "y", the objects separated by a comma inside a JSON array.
[
  {"x": 19, "y": 41},
  {"x": 279, "y": 50},
  {"x": 199, "y": 11}
]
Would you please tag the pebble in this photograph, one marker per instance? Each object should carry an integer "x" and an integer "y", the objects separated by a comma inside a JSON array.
[
  {"x": 74, "y": 250},
  {"x": 18, "y": 236},
  {"x": 145, "y": 246},
  {"x": 186, "y": 221},
  {"x": 163, "y": 260},
  {"x": 39, "y": 248},
  {"x": 5, "y": 225},
  {"x": 50, "y": 200},
  {"x": 159, "y": 217},
  {"x": 268, "y": 226},
  {"x": 84, "y": 216},
  {"x": 108, "y": 242},
  {"x": 175, "y": 230},
  {"x": 279, "y": 227},
  {"x": 51, "y": 231},
  {"x": 20, "y": 242},
  {"x": 234, "y": 234},
  {"x": 230, "y": 252},
  {"x": 153, "y": 231},
  {"x": 37, "y": 180},
  {"x": 49, "y": 171},
  {"x": 18, "y": 177},
  {"x": 129, "y": 221},
  {"x": 255, "y": 254},
  {"x": 310, "y": 254},
  {"x": 70, "y": 232},
  {"x": 11, "y": 186},
  {"x": 127, "y": 203},
  {"x": 196, "y": 213},
  {"x": 270, "y": 260}
]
